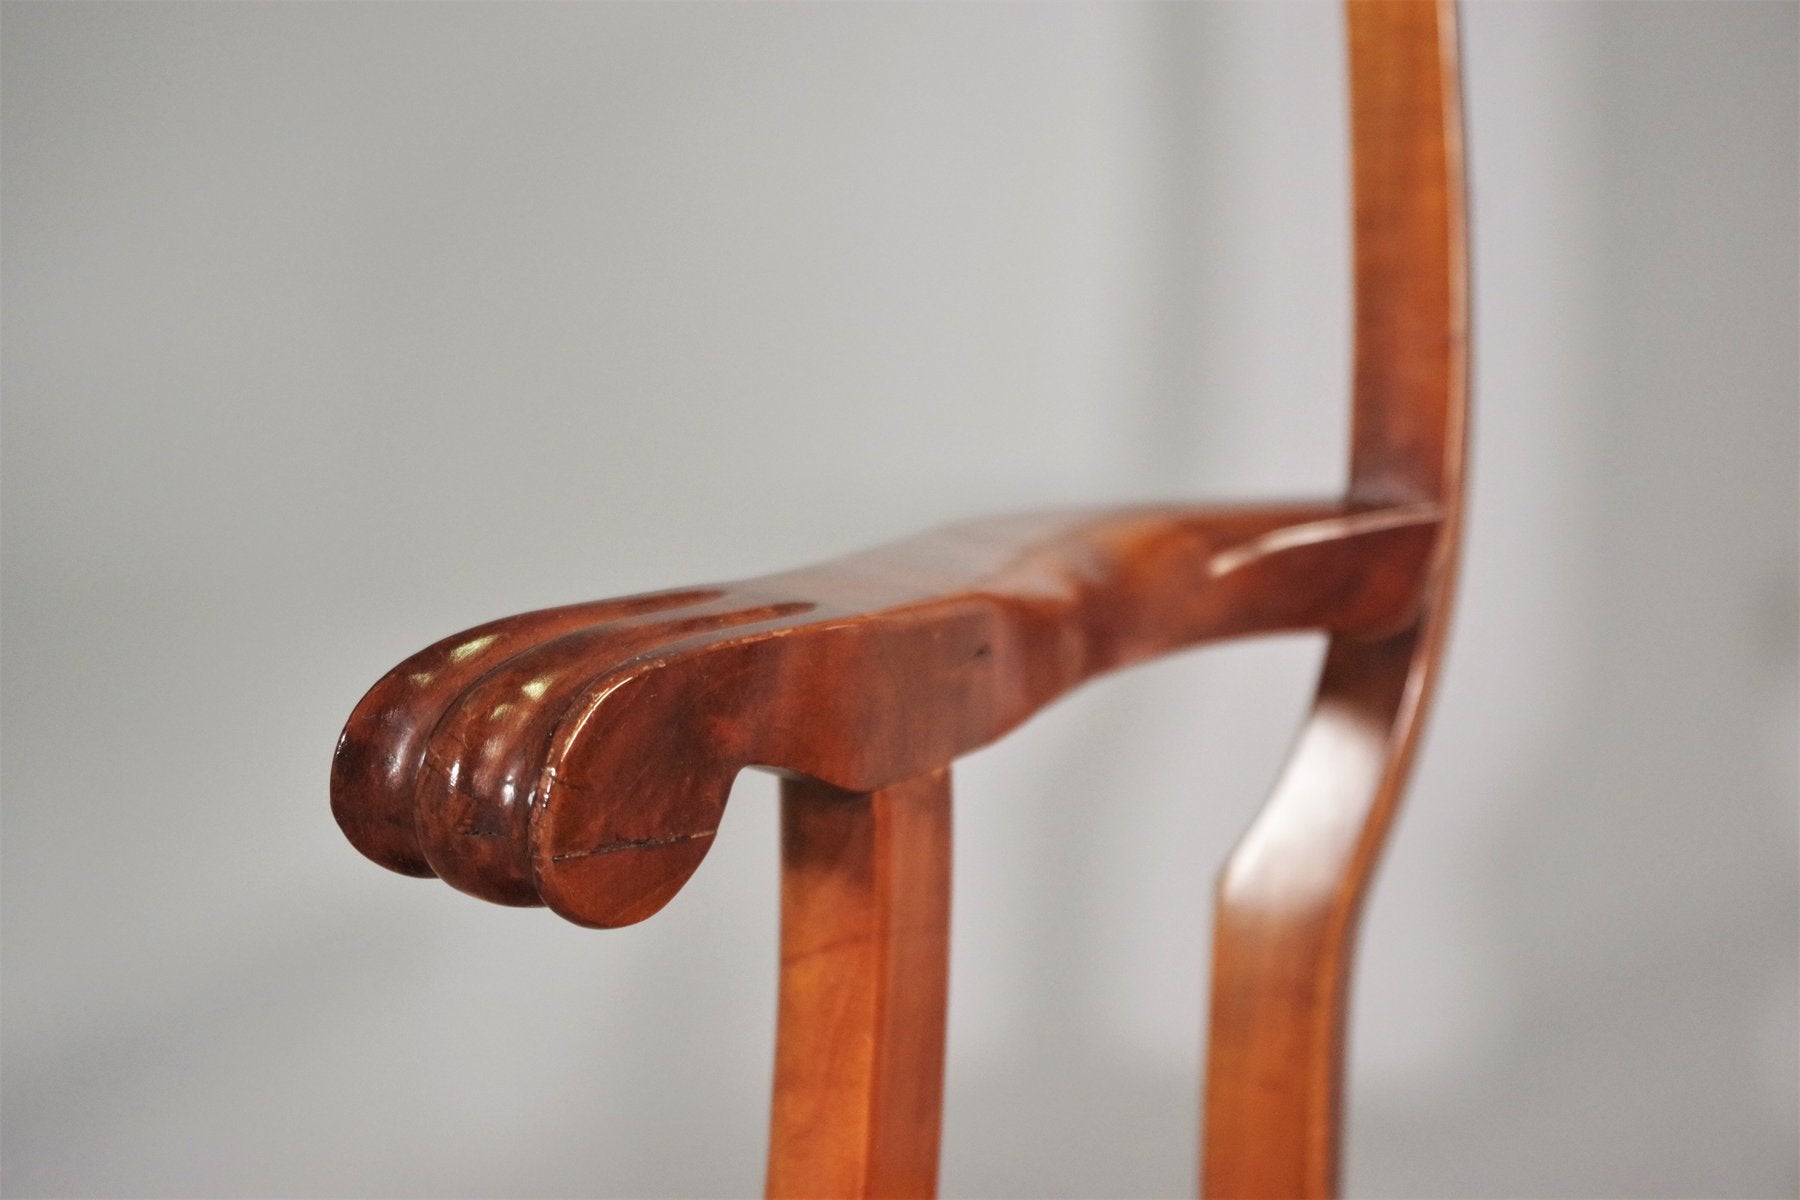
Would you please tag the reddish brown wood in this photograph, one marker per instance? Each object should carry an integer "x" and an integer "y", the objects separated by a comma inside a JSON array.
[
  {"x": 865, "y": 949},
  {"x": 580, "y": 757},
  {"x": 1289, "y": 897}
]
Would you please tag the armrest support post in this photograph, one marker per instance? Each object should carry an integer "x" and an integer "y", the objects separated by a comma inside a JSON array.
[{"x": 865, "y": 953}]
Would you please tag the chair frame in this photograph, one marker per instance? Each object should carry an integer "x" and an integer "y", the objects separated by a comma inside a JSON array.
[{"x": 580, "y": 757}]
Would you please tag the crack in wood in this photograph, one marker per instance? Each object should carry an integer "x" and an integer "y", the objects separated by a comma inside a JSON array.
[{"x": 633, "y": 844}]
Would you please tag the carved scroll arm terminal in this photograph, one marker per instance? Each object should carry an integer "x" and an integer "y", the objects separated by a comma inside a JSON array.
[{"x": 580, "y": 757}]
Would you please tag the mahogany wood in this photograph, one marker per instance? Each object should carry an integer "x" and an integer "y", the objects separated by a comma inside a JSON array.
[
  {"x": 580, "y": 757},
  {"x": 1289, "y": 896},
  {"x": 865, "y": 951}
]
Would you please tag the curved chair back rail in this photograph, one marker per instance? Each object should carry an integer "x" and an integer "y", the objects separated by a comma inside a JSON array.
[
  {"x": 1289, "y": 896},
  {"x": 580, "y": 757}
]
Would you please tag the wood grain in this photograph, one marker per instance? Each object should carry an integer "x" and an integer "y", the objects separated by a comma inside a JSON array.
[
  {"x": 865, "y": 950},
  {"x": 580, "y": 757},
  {"x": 1288, "y": 899}
]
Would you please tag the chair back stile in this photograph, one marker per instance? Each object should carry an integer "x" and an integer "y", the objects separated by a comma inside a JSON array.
[{"x": 1290, "y": 894}]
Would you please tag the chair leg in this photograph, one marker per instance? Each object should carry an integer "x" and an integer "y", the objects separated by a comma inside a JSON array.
[
  {"x": 1285, "y": 923},
  {"x": 859, "y": 1049}
]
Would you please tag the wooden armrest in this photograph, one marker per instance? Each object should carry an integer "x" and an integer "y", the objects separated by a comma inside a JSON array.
[{"x": 580, "y": 757}]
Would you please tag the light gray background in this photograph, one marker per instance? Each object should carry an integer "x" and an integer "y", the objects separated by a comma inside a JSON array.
[{"x": 332, "y": 329}]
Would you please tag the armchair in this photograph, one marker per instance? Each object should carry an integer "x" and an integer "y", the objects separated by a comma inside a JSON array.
[{"x": 580, "y": 757}]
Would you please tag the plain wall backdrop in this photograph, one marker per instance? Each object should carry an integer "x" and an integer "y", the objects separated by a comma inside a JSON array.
[{"x": 332, "y": 329}]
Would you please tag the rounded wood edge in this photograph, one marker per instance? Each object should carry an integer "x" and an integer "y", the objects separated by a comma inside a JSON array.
[
  {"x": 1290, "y": 894},
  {"x": 581, "y": 757}
]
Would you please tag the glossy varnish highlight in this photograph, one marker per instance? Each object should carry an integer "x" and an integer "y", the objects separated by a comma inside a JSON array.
[
  {"x": 1289, "y": 897},
  {"x": 580, "y": 757}
]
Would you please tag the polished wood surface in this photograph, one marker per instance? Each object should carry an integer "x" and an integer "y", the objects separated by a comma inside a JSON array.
[
  {"x": 1289, "y": 896},
  {"x": 580, "y": 757},
  {"x": 865, "y": 951}
]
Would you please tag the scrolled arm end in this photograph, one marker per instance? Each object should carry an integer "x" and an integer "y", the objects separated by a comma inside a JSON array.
[{"x": 581, "y": 757}]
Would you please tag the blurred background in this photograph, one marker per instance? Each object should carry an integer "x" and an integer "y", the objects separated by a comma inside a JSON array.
[{"x": 332, "y": 329}]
